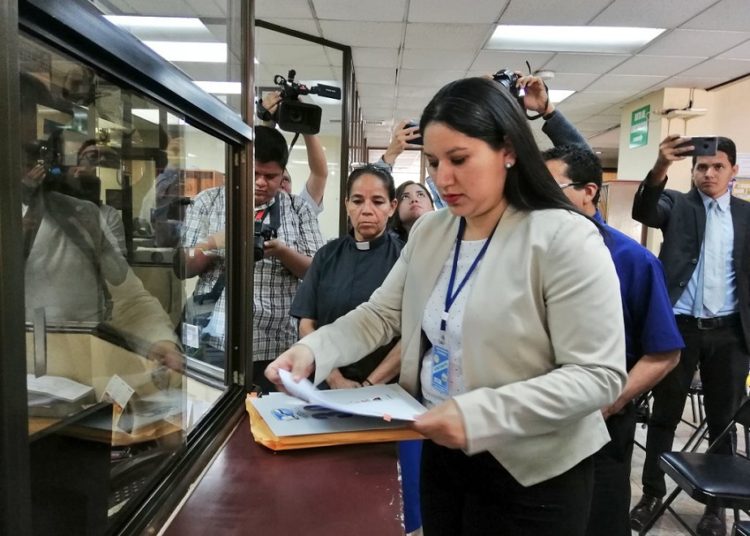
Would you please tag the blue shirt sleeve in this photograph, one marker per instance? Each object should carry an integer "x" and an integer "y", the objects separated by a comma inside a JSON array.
[{"x": 651, "y": 310}]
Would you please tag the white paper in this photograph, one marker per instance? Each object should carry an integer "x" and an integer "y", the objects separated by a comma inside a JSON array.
[
  {"x": 58, "y": 387},
  {"x": 287, "y": 416},
  {"x": 118, "y": 391},
  {"x": 384, "y": 401}
]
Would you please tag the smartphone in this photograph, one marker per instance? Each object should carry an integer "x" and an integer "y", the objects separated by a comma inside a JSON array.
[
  {"x": 702, "y": 146},
  {"x": 415, "y": 141}
]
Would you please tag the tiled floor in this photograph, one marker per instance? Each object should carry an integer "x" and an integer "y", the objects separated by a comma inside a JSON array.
[{"x": 689, "y": 509}]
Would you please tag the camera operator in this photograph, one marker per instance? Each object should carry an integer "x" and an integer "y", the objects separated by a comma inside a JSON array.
[
  {"x": 276, "y": 276},
  {"x": 315, "y": 187}
]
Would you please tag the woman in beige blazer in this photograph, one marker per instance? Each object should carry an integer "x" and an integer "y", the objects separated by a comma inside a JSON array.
[{"x": 509, "y": 312}]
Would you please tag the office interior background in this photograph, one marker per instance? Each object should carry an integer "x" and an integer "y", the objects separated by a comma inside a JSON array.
[{"x": 175, "y": 81}]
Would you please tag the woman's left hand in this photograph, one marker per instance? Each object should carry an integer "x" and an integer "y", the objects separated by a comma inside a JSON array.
[{"x": 443, "y": 425}]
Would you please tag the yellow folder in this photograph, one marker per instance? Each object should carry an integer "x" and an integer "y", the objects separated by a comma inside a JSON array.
[{"x": 263, "y": 434}]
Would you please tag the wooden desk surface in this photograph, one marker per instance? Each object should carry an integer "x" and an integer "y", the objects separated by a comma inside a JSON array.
[{"x": 347, "y": 490}]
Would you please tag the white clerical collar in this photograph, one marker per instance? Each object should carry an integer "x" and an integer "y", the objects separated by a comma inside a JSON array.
[{"x": 362, "y": 246}]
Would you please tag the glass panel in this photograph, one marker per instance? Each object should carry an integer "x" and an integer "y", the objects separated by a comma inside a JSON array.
[
  {"x": 299, "y": 73},
  {"x": 314, "y": 64},
  {"x": 109, "y": 180},
  {"x": 201, "y": 38}
]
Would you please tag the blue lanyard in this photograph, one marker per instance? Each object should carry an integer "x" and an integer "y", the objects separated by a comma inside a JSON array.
[{"x": 450, "y": 297}]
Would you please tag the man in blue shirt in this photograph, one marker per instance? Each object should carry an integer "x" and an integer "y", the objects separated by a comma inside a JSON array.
[
  {"x": 707, "y": 267},
  {"x": 652, "y": 339}
]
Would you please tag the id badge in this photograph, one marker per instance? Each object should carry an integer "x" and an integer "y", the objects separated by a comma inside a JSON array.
[{"x": 440, "y": 362}]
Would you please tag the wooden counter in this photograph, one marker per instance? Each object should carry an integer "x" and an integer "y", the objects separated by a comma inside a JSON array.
[{"x": 348, "y": 490}]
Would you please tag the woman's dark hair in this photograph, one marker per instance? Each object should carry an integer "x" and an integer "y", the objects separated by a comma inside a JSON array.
[
  {"x": 395, "y": 222},
  {"x": 483, "y": 109},
  {"x": 370, "y": 169}
]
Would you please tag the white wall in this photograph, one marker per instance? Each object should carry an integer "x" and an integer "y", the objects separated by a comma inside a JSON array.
[{"x": 299, "y": 171}]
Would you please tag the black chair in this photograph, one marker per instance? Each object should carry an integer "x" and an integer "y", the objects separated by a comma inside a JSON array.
[{"x": 718, "y": 480}]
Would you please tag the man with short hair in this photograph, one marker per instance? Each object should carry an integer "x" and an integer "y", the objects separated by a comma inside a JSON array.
[
  {"x": 708, "y": 277},
  {"x": 652, "y": 340},
  {"x": 285, "y": 258}
]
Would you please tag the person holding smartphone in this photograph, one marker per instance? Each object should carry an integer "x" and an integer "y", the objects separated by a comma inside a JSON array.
[{"x": 708, "y": 279}]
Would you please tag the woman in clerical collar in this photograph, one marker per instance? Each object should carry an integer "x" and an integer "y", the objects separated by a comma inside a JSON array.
[{"x": 346, "y": 271}]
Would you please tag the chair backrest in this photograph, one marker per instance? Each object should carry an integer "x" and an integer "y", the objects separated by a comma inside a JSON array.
[{"x": 743, "y": 414}]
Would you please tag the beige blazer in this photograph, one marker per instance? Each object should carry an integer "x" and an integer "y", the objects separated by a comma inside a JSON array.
[{"x": 543, "y": 342}]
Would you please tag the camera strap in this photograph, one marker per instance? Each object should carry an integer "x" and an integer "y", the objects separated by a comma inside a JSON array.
[
  {"x": 546, "y": 104},
  {"x": 273, "y": 211}
]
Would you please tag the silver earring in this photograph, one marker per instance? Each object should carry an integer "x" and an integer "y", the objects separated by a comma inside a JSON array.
[{"x": 508, "y": 165}]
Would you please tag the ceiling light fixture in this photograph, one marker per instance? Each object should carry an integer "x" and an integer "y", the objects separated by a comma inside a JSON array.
[
  {"x": 595, "y": 39},
  {"x": 556, "y": 96},
  {"x": 152, "y": 116},
  {"x": 220, "y": 88},
  {"x": 189, "y": 51},
  {"x": 167, "y": 23}
]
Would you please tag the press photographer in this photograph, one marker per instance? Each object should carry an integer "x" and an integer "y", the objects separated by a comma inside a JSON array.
[{"x": 276, "y": 274}]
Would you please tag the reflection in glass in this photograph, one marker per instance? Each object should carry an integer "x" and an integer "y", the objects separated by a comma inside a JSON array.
[{"x": 107, "y": 178}]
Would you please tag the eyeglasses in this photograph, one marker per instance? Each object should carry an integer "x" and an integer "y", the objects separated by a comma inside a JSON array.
[{"x": 566, "y": 185}]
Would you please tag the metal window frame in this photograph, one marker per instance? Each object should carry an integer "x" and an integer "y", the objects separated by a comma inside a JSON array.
[{"x": 15, "y": 493}]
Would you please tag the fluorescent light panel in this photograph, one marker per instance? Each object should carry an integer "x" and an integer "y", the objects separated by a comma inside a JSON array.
[
  {"x": 601, "y": 39},
  {"x": 220, "y": 88},
  {"x": 152, "y": 116},
  {"x": 167, "y": 23},
  {"x": 190, "y": 51},
  {"x": 558, "y": 95}
]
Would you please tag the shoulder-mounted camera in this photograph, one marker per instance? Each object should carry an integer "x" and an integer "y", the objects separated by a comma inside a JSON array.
[{"x": 293, "y": 115}]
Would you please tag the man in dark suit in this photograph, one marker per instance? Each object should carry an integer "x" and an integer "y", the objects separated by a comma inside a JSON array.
[{"x": 708, "y": 279}]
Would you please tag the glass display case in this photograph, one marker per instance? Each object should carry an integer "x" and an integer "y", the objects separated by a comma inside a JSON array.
[{"x": 115, "y": 147}]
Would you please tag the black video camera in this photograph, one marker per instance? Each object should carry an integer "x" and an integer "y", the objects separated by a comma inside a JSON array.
[
  {"x": 293, "y": 115},
  {"x": 508, "y": 79},
  {"x": 263, "y": 232}
]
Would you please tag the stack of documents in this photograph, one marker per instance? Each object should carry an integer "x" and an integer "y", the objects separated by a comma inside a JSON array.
[{"x": 314, "y": 418}]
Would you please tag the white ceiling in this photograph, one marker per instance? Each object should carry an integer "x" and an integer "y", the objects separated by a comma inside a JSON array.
[{"x": 404, "y": 50}]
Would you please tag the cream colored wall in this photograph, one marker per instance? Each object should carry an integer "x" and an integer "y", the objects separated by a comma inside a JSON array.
[
  {"x": 634, "y": 163},
  {"x": 299, "y": 171},
  {"x": 727, "y": 114}
]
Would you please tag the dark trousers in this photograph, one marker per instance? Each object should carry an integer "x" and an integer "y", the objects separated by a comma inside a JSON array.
[
  {"x": 610, "y": 505},
  {"x": 475, "y": 496},
  {"x": 720, "y": 354}
]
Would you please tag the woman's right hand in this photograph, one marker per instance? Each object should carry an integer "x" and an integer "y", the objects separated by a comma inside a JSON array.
[{"x": 299, "y": 360}]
